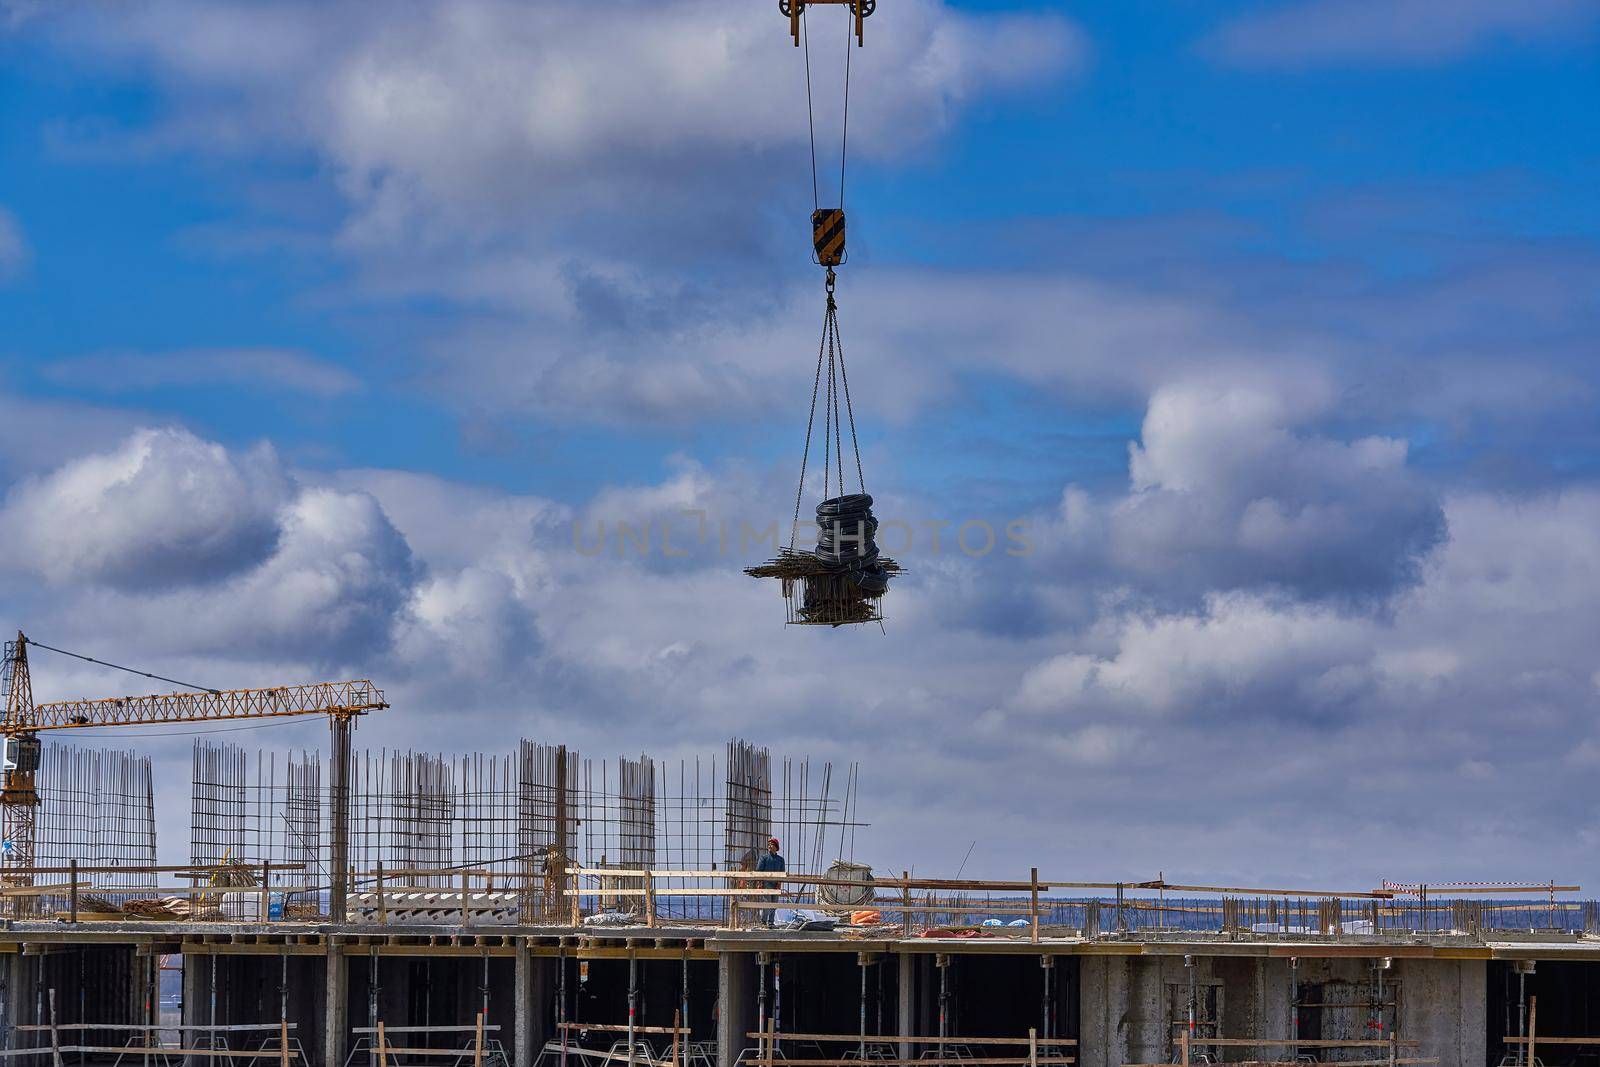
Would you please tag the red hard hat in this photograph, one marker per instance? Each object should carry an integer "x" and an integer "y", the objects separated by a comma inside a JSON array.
[{"x": 772, "y": 840}]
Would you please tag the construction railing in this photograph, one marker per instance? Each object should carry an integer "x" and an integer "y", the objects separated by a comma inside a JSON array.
[
  {"x": 480, "y": 1046},
  {"x": 635, "y": 1047},
  {"x": 1188, "y": 1051},
  {"x": 947, "y": 1050},
  {"x": 237, "y": 891},
  {"x": 916, "y": 901},
  {"x": 277, "y": 1045},
  {"x": 482, "y": 895}
]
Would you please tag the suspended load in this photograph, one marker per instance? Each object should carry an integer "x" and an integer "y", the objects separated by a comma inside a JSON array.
[{"x": 843, "y": 579}]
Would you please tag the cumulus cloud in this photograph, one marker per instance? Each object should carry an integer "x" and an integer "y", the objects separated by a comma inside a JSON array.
[
  {"x": 488, "y": 121},
  {"x": 470, "y": 606},
  {"x": 165, "y": 508},
  {"x": 1319, "y": 32},
  {"x": 213, "y": 550},
  {"x": 603, "y": 191},
  {"x": 1224, "y": 487},
  {"x": 1239, "y": 487},
  {"x": 335, "y": 589}
]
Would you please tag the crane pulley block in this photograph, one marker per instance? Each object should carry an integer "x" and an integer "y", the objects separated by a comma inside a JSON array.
[
  {"x": 827, "y": 235},
  {"x": 859, "y": 10}
]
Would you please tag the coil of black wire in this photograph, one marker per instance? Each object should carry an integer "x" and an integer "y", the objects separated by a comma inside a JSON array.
[{"x": 845, "y": 541}]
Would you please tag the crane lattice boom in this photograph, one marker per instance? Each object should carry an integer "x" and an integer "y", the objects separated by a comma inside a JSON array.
[{"x": 320, "y": 698}]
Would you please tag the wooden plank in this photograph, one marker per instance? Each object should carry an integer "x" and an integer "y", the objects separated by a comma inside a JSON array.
[
  {"x": 1533, "y": 1026},
  {"x": 148, "y": 1027},
  {"x": 896, "y": 1039},
  {"x": 155, "y": 1049},
  {"x": 1544, "y": 1040},
  {"x": 1301, "y": 1063},
  {"x": 1033, "y": 908},
  {"x": 978, "y": 1061},
  {"x": 883, "y": 905},
  {"x": 1248, "y": 1042},
  {"x": 467, "y": 1029},
  {"x": 692, "y": 892},
  {"x": 622, "y": 1028}
]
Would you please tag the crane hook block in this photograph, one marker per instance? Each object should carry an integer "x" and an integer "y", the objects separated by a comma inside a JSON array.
[
  {"x": 859, "y": 10},
  {"x": 827, "y": 235}
]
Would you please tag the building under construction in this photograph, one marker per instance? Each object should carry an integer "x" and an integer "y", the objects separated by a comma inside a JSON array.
[{"x": 539, "y": 905}]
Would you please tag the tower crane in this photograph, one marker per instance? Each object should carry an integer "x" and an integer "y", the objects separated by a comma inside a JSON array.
[{"x": 24, "y": 720}]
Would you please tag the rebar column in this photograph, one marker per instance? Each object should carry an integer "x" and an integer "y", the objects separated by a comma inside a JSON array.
[{"x": 339, "y": 852}]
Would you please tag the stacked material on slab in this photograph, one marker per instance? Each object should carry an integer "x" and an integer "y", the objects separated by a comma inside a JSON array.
[{"x": 434, "y": 907}]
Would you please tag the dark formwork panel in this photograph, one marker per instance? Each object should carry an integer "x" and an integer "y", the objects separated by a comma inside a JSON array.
[
  {"x": 597, "y": 992},
  {"x": 433, "y": 991},
  {"x": 1006, "y": 996},
  {"x": 1569, "y": 1006},
  {"x": 222, "y": 989},
  {"x": 90, "y": 984},
  {"x": 821, "y": 993}
]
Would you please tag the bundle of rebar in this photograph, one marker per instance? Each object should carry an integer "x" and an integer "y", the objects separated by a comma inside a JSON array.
[{"x": 842, "y": 579}]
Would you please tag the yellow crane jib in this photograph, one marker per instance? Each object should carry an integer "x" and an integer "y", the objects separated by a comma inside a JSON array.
[
  {"x": 23, "y": 720},
  {"x": 793, "y": 9},
  {"x": 318, "y": 698}
]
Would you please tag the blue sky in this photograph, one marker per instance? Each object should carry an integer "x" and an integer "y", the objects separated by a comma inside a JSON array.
[{"x": 1275, "y": 321}]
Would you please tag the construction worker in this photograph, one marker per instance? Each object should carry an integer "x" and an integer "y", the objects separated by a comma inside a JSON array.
[{"x": 772, "y": 862}]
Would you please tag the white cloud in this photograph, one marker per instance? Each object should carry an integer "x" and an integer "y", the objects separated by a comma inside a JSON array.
[
  {"x": 1237, "y": 486},
  {"x": 337, "y": 586},
  {"x": 200, "y": 549},
  {"x": 486, "y": 122},
  {"x": 471, "y": 608},
  {"x": 1320, "y": 32},
  {"x": 273, "y": 368},
  {"x": 164, "y": 508}
]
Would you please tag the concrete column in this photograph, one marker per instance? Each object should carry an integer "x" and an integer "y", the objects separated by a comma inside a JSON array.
[
  {"x": 1274, "y": 1011},
  {"x": 16, "y": 1004},
  {"x": 196, "y": 1001},
  {"x": 336, "y": 1008},
  {"x": 907, "y": 1002},
  {"x": 1103, "y": 983},
  {"x": 735, "y": 1004},
  {"x": 523, "y": 1008},
  {"x": 1442, "y": 1005}
]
